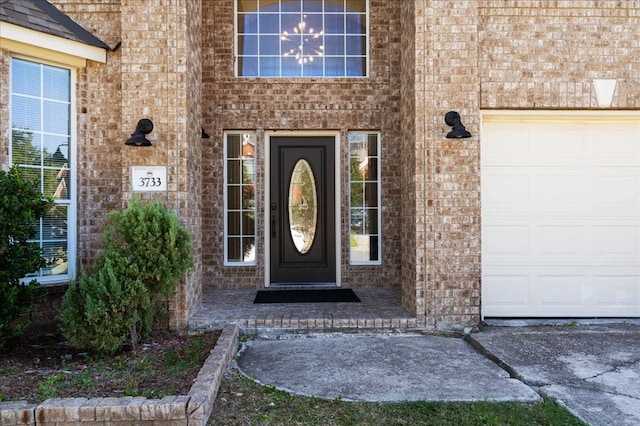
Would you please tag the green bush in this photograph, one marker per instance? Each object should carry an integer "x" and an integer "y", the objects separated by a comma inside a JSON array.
[
  {"x": 145, "y": 251},
  {"x": 21, "y": 207},
  {"x": 149, "y": 245},
  {"x": 102, "y": 311}
]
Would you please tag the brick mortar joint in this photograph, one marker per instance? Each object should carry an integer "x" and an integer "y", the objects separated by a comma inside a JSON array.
[{"x": 117, "y": 408}]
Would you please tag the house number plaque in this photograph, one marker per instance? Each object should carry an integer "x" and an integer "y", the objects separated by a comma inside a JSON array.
[{"x": 149, "y": 178}]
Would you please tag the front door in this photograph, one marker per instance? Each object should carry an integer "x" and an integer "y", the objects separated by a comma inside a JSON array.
[{"x": 302, "y": 210}]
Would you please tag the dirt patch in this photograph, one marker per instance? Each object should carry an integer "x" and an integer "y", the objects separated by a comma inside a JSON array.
[{"x": 38, "y": 366}]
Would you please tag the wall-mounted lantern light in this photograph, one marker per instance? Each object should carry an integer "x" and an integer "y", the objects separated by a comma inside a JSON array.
[
  {"x": 204, "y": 135},
  {"x": 144, "y": 127},
  {"x": 452, "y": 118}
]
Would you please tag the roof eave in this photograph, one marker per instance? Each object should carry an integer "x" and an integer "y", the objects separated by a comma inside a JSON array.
[{"x": 27, "y": 41}]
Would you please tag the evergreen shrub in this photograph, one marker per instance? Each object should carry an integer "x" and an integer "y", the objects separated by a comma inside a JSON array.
[
  {"x": 145, "y": 251},
  {"x": 21, "y": 207}
]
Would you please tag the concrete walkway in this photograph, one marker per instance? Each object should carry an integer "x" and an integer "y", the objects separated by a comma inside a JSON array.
[
  {"x": 594, "y": 371},
  {"x": 380, "y": 368}
]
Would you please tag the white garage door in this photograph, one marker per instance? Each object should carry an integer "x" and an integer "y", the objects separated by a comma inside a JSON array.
[{"x": 561, "y": 215}]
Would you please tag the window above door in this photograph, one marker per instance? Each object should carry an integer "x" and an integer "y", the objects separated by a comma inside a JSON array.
[{"x": 301, "y": 38}]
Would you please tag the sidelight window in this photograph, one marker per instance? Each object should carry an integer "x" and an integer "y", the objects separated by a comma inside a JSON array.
[
  {"x": 301, "y": 38},
  {"x": 364, "y": 198},
  {"x": 240, "y": 198}
]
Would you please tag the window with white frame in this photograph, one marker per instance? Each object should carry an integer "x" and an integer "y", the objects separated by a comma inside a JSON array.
[
  {"x": 301, "y": 38},
  {"x": 240, "y": 198},
  {"x": 364, "y": 198},
  {"x": 42, "y": 147}
]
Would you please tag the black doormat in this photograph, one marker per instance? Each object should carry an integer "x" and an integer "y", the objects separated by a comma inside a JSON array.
[{"x": 306, "y": 296}]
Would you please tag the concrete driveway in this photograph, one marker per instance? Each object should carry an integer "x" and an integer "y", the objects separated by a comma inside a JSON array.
[{"x": 592, "y": 370}]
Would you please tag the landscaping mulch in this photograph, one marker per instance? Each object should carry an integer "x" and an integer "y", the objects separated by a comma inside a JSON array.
[{"x": 37, "y": 366}]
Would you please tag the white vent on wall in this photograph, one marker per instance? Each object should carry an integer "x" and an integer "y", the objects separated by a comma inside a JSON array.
[{"x": 604, "y": 89}]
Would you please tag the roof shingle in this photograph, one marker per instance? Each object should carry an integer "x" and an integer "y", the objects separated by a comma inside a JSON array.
[{"x": 42, "y": 16}]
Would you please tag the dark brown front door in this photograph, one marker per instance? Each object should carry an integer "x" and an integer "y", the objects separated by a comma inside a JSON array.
[{"x": 302, "y": 210}]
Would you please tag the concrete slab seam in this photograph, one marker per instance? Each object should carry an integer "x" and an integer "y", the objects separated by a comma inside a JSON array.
[{"x": 479, "y": 347}]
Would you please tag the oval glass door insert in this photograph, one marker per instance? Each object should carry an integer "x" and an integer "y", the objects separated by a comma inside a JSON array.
[{"x": 303, "y": 206}]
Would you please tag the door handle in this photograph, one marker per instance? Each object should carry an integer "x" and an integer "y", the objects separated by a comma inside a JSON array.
[
  {"x": 274, "y": 220},
  {"x": 273, "y": 226}
]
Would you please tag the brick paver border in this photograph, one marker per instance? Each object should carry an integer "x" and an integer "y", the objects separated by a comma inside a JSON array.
[{"x": 192, "y": 409}]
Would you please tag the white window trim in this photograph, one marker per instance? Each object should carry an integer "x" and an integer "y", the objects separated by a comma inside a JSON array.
[
  {"x": 227, "y": 262},
  {"x": 72, "y": 226},
  {"x": 379, "y": 201}
]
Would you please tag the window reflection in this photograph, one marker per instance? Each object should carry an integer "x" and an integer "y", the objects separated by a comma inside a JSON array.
[
  {"x": 240, "y": 205},
  {"x": 40, "y": 141},
  {"x": 364, "y": 198},
  {"x": 301, "y": 38}
]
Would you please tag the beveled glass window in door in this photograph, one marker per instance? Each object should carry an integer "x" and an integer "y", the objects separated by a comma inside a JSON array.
[
  {"x": 303, "y": 206},
  {"x": 364, "y": 198},
  {"x": 240, "y": 201},
  {"x": 301, "y": 38}
]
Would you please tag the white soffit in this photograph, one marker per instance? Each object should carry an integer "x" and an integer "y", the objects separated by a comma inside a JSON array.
[{"x": 33, "y": 43}]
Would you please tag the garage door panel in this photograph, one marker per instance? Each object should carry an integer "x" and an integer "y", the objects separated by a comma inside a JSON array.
[
  {"x": 611, "y": 291},
  {"x": 502, "y": 149},
  {"x": 507, "y": 240},
  {"x": 565, "y": 240},
  {"x": 507, "y": 189},
  {"x": 615, "y": 146},
  {"x": 616, "y": 193},
  {"x": 603, "y": 191},
  {"x": 537, "y": 144},
  {"x": 617, "y": 240},
  {"x": 562, "y": 290},
  {"x": 531, "y": 240},
  {"x": 508, "y": 291},
  {"x": 565, "y": 292},
  {"x": 561, "y": 218},
  {"x": 547, "y": 151},
  {"x": 553, "y": 190}
]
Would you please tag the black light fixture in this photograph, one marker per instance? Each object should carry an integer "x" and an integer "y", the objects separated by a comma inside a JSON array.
[
  {"x": 58, "y": 157},
  {"x": 144, "y": 127},
  {"x": 204, "y": 134},
  {"x": 452, "y": 118}
]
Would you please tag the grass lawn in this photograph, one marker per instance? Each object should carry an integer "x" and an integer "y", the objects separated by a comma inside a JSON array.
[{"x": 243, "y": 402}]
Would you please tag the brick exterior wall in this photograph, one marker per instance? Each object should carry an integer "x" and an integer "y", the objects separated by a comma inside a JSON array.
[
  {"x": 160, "y": 80},
  {"x": 412, "y": 266},
  {"x": 555, "y": 49},
  {"x": 175, "y": 66},
  {"x": 153, "y": 73},
  {"x": 447, "y": 183},
  {"x": 230, "y": 102},
  {"x": 98, "y": 112},
  {"x": 489, "y": 54}
]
